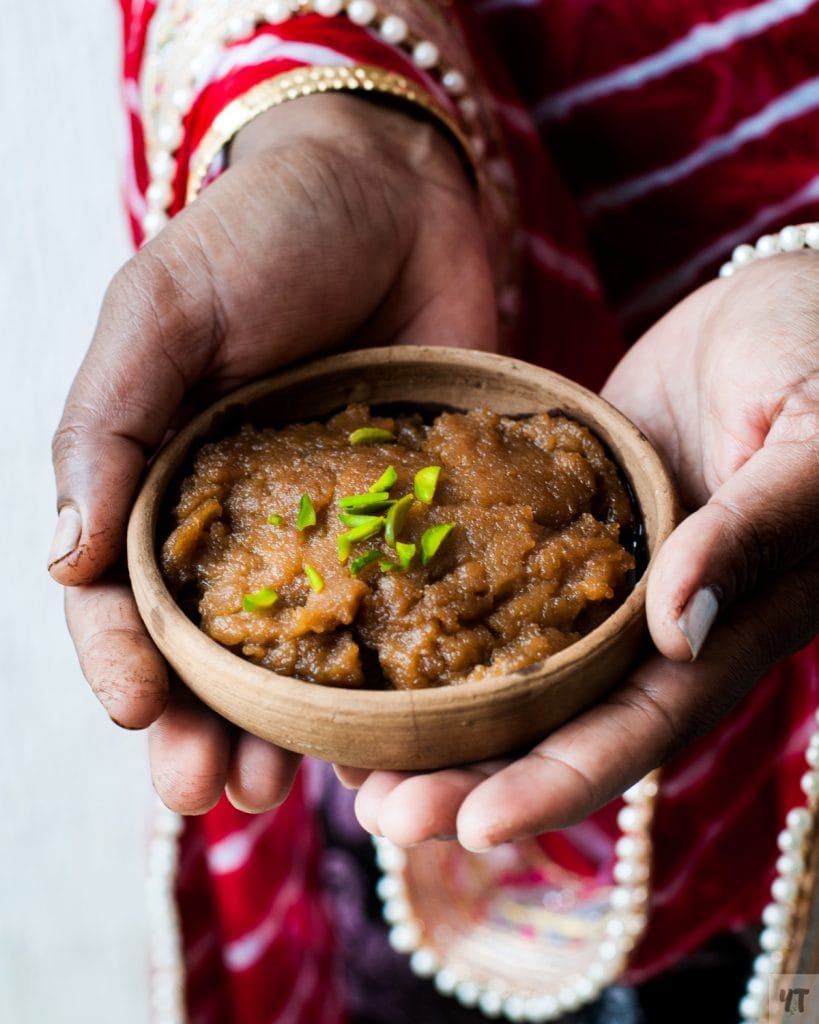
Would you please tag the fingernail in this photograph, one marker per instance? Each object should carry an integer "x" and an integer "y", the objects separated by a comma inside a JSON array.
[
  {"x": 477, "y": 847},
  {"x": 698, "y": 617},
  {"x": 350, "y": 778},
  {"x": 66, "y": 536}
]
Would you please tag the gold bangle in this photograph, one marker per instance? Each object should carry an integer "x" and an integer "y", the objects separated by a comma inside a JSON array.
[{"x": 309, "y": 81}]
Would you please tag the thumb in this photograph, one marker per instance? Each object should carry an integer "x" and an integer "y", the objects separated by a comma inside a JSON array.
[
  {"x": 120, "y": 405},
  {"x": 757, "y": 524}
]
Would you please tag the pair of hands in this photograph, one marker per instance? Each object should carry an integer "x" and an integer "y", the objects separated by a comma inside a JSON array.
[{"x": 340, "y": 220}]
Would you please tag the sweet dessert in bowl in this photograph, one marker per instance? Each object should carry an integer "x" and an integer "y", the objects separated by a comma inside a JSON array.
[
  {"x": 401, "y": 553},
  {"x": 401, "y": 559}
]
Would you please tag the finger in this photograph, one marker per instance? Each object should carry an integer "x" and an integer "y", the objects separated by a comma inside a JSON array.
[
  {"x": 376, "y": 787},
  {"x": 410, "y": 809},
  {"x": 154, "y": 336},
  {"x": 190, "y": 748},
  {"x": 663, "y": 706},
  {"x": 351, "y": 778},
  {"x": 758, "y": 523},
  {"x": 260, "y": 774},
  {"x": 582, "y": 766},
  {"x": 117, "y": 657}
]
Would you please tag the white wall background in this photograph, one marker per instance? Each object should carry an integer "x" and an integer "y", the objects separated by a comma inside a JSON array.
[{"x": 74, "y": 793}]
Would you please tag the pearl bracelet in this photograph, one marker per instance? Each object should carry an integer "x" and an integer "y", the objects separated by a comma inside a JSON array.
[{"x": 789, "y": 239}]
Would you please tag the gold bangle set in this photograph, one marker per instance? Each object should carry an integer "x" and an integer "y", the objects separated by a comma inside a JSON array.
[{"x": 306, "y": 82}]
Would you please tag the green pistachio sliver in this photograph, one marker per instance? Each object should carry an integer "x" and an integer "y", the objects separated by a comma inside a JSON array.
[
  {"x": 365, "y": 532},
  {"x": 405, "y": 552},
  {"x": 307, "y": 514},
  {"x": 426, "y": 480},
  {"x": 396, "y": 517},
  {"x": 432, "y": 539},
  {"x": 275, "y": 519},
  {"x": 385, "y": 481},
  {"x": 371, "y": 435},
  {"x": 313, "y": 577},
  {"x": 350, "y": 519},
  {"x": 372, "y": 501},
  {"x": 358, "y": 564},
  {"x": 259, "y": 599}
]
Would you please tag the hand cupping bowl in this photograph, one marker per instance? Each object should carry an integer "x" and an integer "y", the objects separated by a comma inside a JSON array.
[{"x": 400, "y": 729}]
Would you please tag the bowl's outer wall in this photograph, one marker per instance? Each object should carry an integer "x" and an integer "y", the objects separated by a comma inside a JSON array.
[{"x": 401, "y": 729}]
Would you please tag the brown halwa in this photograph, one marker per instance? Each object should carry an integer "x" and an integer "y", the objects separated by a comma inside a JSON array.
[{"x": 532, "y": 562}]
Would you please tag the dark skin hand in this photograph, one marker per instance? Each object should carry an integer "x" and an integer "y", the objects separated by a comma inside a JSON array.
[{"x": 338, "y": 220}]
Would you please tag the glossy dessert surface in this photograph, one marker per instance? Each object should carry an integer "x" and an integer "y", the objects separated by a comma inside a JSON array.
[{"x": 388, "y": 551}]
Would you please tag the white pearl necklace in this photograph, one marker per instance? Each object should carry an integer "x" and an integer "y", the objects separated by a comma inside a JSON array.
[
  {"x": 621, "y": 928},
  {"x": 789, "y": 239},
  {"x": 777, "y": 936},
  {"x": 629, "y": 902},
  {"x": 167, "y": 135}
]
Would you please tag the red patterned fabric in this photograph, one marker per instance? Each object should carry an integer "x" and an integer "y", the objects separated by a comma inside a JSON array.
[
  {"x": 258, "y": 945},
  {"x": 647, "y": 139}
]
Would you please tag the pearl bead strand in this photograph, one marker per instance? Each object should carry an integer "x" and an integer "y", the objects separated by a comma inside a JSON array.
[
  {"x": 789, "y": 239},
  {"x": 777, "y": 917},
  {"x": 164, "y": 142},
  {"x": 624, "y": 924}
]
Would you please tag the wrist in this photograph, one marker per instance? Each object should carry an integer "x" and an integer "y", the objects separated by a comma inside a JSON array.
[{"x": 359, "y": 127}]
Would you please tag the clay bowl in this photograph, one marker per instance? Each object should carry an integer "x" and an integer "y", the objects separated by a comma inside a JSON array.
[{"x": 419, "y": 729}]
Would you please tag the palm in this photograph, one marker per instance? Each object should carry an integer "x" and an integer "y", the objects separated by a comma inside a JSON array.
[{"x": 732, "y": 368}]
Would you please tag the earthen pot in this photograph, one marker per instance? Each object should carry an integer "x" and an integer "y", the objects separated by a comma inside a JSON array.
[{"x": 406, "y": 729}]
